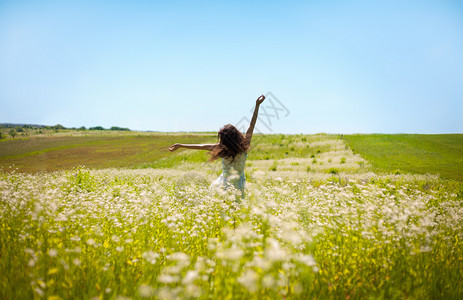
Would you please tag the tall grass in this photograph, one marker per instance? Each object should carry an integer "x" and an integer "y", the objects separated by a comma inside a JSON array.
[{"x": 139, "y": 234}]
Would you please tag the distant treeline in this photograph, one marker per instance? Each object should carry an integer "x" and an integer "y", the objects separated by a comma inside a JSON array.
[
  {"x": 101, "y": 128},
  {"x": 19, "y": 127},
  {"x": 12, "y": 125}
]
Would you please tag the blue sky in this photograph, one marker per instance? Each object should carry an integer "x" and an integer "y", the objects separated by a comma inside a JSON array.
[{"x": 336, "y": 66}]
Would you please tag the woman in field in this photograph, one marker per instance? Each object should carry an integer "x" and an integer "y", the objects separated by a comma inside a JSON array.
[{"x": 232, "y": 149}]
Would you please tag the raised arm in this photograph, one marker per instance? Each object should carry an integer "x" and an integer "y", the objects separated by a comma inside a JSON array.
[
  {"x": 254, "y": 119},
  {"x": 208, "y": 147}
]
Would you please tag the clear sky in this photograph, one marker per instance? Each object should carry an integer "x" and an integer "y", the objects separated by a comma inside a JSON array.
[{"x": 333, "y": 66}]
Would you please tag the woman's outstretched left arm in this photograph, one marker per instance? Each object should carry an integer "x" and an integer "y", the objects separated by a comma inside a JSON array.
[
  {"x": 254, "y": 119},
  {"x": 208, "y": 147}
]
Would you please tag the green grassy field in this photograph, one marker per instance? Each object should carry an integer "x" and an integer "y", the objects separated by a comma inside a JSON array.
[
  {"x": 96, "y": 151},
  {"x": 136, "y": 150},
  {"x": 415, "y": 153},
  {"x": 318, "y": 222},
  {"x": 434, "y": 154}
]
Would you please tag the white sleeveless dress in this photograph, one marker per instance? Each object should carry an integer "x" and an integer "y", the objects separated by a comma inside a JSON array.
[{"x": 233, "y": 173}]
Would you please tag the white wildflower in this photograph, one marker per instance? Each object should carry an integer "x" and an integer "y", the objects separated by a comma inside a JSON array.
[
  {"x": 167, "y": 279},
  {"x": 190, "y": 277},
  {"x": 150, "y": 256},
  {"x": 274, "y": 252},
  {"x": 75, "y": 238},
  {"x": 146, "y": 291},
  {"x": 268, "y": 281},
  {"x": 31, "y": 262},
  {"x": 234, "y": 253},
  {"x": 249, "y": 280},
  {"x": 39, "y": 291},
  {"x": 308, "y": 260},
  {"x": 76, "y": 262},
  {"x": 52, "y": 252},
  {"x": 179, "y": 256}
]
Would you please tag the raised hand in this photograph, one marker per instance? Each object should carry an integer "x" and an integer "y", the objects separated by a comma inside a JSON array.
[
  {"x": 174, "y": 147},
  {"x": 260, "y": 99}
]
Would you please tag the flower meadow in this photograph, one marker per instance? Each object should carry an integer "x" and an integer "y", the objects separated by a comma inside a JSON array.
[{"x": 136, "y": 234}]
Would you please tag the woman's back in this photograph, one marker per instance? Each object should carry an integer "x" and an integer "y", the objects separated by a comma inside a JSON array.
[
  {"x": 231, "y": 165},
  {"x": 233, "y": 173}
]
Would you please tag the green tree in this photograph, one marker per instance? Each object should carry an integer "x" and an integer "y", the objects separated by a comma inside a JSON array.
[
  {"x": 12, "y": 133},
  {"x": 119, "y": 128},
  {"x": 58, "y": 127}
]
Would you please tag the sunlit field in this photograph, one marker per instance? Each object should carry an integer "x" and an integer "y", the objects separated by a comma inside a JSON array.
[
  {"x": 316, "y": 223},
  {"x": 64, "y": 150},
  {"x": 421, "y": 153}
]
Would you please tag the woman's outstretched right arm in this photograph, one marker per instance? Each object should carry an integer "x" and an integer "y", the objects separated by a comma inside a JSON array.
[
  {"x": 254, "y": 119},
  {"x": 208, "y": 147}
]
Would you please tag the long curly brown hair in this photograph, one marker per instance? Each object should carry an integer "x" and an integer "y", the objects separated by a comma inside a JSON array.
[{"x": 231, "y": 142}]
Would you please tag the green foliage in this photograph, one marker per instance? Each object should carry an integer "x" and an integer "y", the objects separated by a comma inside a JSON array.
[
  {"x": 80, "y": 180},
  {"x": 96, "y": 128},
  {"x": 274, "y": 166},
  {"x": 333, "y": 171},
  {"x": 12, "y": 133},
  {"x": 116, "y": 128}
]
